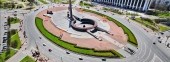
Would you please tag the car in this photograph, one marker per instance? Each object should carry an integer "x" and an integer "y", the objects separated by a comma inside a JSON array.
[
  {"x": 103, "y": 59},
  {"x": 80, "y": 58},
  {"x": 15, "y": 14},
  {"x": 67, "y": 53},
  {"x": 5, "y": 33},
  {"x": 159, "y": 37},
  {"x": 40, "y": 37},
  {"x": 49, "y": 50},
  {"x": 46, "y": 15},
  {"x": 44, "y": 44}
]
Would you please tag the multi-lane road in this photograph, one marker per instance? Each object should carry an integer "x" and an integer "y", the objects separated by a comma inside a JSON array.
[{"x": 145, "y": 53}]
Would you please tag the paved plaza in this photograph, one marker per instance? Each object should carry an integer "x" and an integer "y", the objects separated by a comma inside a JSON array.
[{"x": 58, "y": 25}]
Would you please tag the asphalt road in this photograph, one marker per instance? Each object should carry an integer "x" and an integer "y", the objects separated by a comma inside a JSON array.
[{"x": 145, "y": 51}]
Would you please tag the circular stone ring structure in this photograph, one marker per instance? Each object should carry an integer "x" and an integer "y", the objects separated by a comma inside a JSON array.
[{"x": 83, "y": 24}]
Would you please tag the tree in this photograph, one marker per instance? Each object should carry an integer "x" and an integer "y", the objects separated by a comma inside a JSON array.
[
  {"x": 168, "y": 8},
  {"x": 31, "y": 2},
  {"x": 12, "y": 5}
]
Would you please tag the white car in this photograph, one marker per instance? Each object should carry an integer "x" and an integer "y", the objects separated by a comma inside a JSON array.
[{"x": 46, "y": 15}]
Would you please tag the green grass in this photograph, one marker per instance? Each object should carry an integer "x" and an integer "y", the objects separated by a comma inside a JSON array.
[
  {"x": 131, "y": 38},
  {"x": 161, "y": 14},
  {"x": 27, "y": 59},
  {"x": 63, "y": 1},
  {"x": 7, "y": 54},
  {"x": 2, "y": 1},
  {"x": 57, "y": 1},
  {"x": 43, "y": 1},
  {"x": 13, "y": 20},
  {"x": 152, "y": 25},
  {"x": 147, "y": 23},
  {"x": 15, "y": 43},
  {"x": 82, "y": 3},
  {"x": 163, "y": 28},
  {"x": 73, "y": 47},
  {"x": 132, "y": 14},
  {"x": 113, "y": 10}
]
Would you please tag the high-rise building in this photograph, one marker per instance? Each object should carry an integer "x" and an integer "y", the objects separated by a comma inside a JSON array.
[{"x": 139, "y": 5}]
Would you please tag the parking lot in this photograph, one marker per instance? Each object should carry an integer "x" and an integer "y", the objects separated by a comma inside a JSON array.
[{"x": 3, "y": 32}]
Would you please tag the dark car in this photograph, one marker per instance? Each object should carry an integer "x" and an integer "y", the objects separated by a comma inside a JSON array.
[
  {"x": 80, "y": 58},
  {"x": 67, "y": 53},
  {"x": 49, "y": 50},
  {"x": 103, "y": 59}
]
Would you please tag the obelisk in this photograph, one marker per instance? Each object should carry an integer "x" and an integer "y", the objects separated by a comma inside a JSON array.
[{"x": 70, "y": 10}]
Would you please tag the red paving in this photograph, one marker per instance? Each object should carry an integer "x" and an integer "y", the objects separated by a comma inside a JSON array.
[{"x": 85, "y": 42}]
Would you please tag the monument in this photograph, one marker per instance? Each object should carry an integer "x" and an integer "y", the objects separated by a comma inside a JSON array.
[
  {"x": 83, "y": 24},
  {"x": 70, "y": 10}
]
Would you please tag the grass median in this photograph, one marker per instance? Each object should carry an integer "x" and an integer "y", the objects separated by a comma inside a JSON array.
[
  {"x": 43, "y": 1},
  {"x": 28, "y": 59},
  {"x": 131, "y": 38},
  {"x": 14, "y": 44},
  {"x": 73, "y": 47}
]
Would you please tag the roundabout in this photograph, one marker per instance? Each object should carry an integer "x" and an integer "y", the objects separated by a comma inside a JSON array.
[
  {"x": 87, "y": 33},
  {"x": 91, "y": 34},
  {"x": 145, "y": 50}
]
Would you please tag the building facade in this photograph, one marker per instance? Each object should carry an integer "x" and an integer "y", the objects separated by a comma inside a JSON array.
[{"x": 139, "y": 5}]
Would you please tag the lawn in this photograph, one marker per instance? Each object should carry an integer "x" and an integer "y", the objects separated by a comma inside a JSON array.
[
  {"x": 14, "y": 43},
  {"x": 73, "y": 47},
  {"x": 13, "y": 20},
  {"x": 43, "y": 1},
  {"x": 163, "y": 27},
  {"x": 7, "y": 54},
  {"x": 82, "y": 3},
  {"x": 113, "y": 10},
  {"x": 1, "y": 1},
  {"x": 161, "y": 14},
  {"x": 27, "y": 59},
  {"x": 164, "y": 14},
  {"x": 58, "y": 1},
  {"x": 131, "y": 38},
  {"x": 147, "y": 23}
]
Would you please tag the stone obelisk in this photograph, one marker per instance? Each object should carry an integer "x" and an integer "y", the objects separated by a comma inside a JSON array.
[{"x": 70, "y": 10}]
